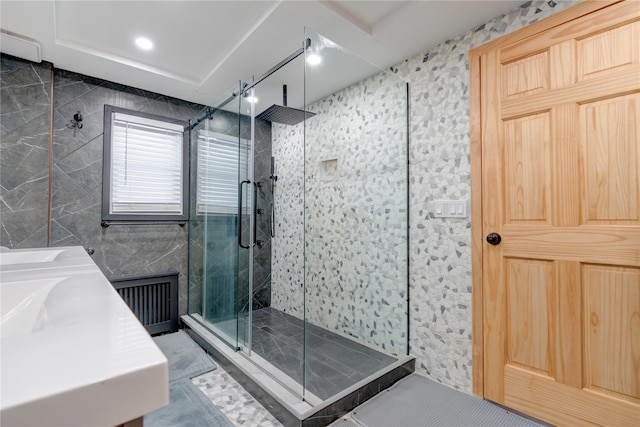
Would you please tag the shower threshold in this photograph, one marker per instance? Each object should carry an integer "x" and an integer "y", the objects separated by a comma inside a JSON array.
[{"x": 276, "y": 385}]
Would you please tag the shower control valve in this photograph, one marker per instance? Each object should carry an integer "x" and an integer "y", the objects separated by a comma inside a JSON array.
[{"x": 260, "y": 211}]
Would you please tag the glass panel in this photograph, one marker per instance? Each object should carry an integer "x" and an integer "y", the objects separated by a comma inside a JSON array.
[
  {"x": 316, "y": 288},
  {"x": 355, "y": 218},
  {"x": 247, "y": 215},
  {"x": 277, "y": 333},
  {"x": 215, "y": 261}
]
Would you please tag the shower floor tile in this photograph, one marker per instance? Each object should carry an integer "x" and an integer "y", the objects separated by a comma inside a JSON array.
[{"x": 333, "y": 361}]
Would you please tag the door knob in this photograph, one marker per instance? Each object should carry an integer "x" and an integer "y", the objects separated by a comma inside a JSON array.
[{"x": 494, "y": 239}]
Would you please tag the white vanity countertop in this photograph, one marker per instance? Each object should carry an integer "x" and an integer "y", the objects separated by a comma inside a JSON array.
[
  {"x": 36, "y": 259},
  {"x": 79, "y": 356}
]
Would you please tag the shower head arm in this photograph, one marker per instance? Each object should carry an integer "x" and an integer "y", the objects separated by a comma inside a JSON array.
[
  {"x": 247, "y": 87},
  {"x": 294, "y": 55}
]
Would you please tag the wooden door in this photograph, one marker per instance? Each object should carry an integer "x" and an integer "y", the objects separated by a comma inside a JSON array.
[{"x": 560, "y": 157}]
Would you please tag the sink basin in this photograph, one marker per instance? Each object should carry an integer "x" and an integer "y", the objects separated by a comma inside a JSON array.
[
  {"x": 27, "y": 257},
  {"x": 72, "y": 352},
  {"x": 22, "y": 305},
  {"x": 67, "y": 257}
]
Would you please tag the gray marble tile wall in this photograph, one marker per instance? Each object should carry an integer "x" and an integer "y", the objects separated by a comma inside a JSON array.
[
  {"x": 25, "y": 99},
  {"x": 262, "y": 252},
  {"x": 76, "y": 180}
]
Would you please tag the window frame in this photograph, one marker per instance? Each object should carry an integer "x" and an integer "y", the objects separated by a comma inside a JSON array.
[{"x": 107, "y": 215}]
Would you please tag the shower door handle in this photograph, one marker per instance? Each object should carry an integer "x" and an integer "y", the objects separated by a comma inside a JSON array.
[
  {"x": 240, "y": 214},
  {"x": 255, "y": 212}
]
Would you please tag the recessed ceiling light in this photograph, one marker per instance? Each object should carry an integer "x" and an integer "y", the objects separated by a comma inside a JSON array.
[
  {"x": 314, "y": 59},
  {"x": 144, "y": 43}
]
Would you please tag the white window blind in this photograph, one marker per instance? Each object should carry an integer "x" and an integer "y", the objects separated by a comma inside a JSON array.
[
  {"x": 146, "y": 166},
  {"x": 219, "y": 157}
]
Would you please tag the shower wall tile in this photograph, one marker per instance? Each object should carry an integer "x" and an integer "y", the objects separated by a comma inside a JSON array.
[
  {"x": 440, "y": 254},
  {"x": 66, "y": 192},
  {"x": 287, "y": 255},
  {"x": 262, "y": 252},
  {"x": 67, "y": 86},
  {"x": 84, "y": 165},
  {"x": 60, "y": 236},
  {"x": 170, "y": 107},
  {"x": 25, "y": 94},
  {"x": 24, "y": 212},
  {"x": 34, "y": 240},
  {"x": 356, "y": 214},
  {"x": 24, "y": 152}
]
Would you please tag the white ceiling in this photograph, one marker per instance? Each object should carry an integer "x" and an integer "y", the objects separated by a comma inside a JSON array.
[{"x": 202, "y": 47}]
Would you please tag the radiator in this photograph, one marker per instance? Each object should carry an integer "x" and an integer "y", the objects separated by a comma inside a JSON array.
[{"x": 153, "y": 299}]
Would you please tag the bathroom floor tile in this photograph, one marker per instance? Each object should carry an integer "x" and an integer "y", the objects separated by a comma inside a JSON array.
[{"x": 233, "y": 400}]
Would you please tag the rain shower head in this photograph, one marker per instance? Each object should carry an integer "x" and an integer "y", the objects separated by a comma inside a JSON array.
[{"x": 283, "y": 114}]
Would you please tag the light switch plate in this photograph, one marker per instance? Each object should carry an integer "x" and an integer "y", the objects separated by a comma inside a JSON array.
[{"x": 450, "y": 209}]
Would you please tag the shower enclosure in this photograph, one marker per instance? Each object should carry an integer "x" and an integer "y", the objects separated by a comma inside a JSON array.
[{"x": 298, "y": 254}]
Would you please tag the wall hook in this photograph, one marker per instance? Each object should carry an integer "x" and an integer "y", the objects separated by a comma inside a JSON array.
[
  {"x": 75, "y": 123},
  {"x": 77, "y": 118}
]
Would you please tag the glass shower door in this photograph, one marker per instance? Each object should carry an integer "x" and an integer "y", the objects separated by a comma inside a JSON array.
[
  {"x": 246, "y": 221},
  {"x": 220, "y": 220}
]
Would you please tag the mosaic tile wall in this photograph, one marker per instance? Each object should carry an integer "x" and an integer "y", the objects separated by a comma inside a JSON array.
[
  {"x": 440, "y": 254},
  {"x": 355, "y": 216},
  {"x": 287, "y": 256}
]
